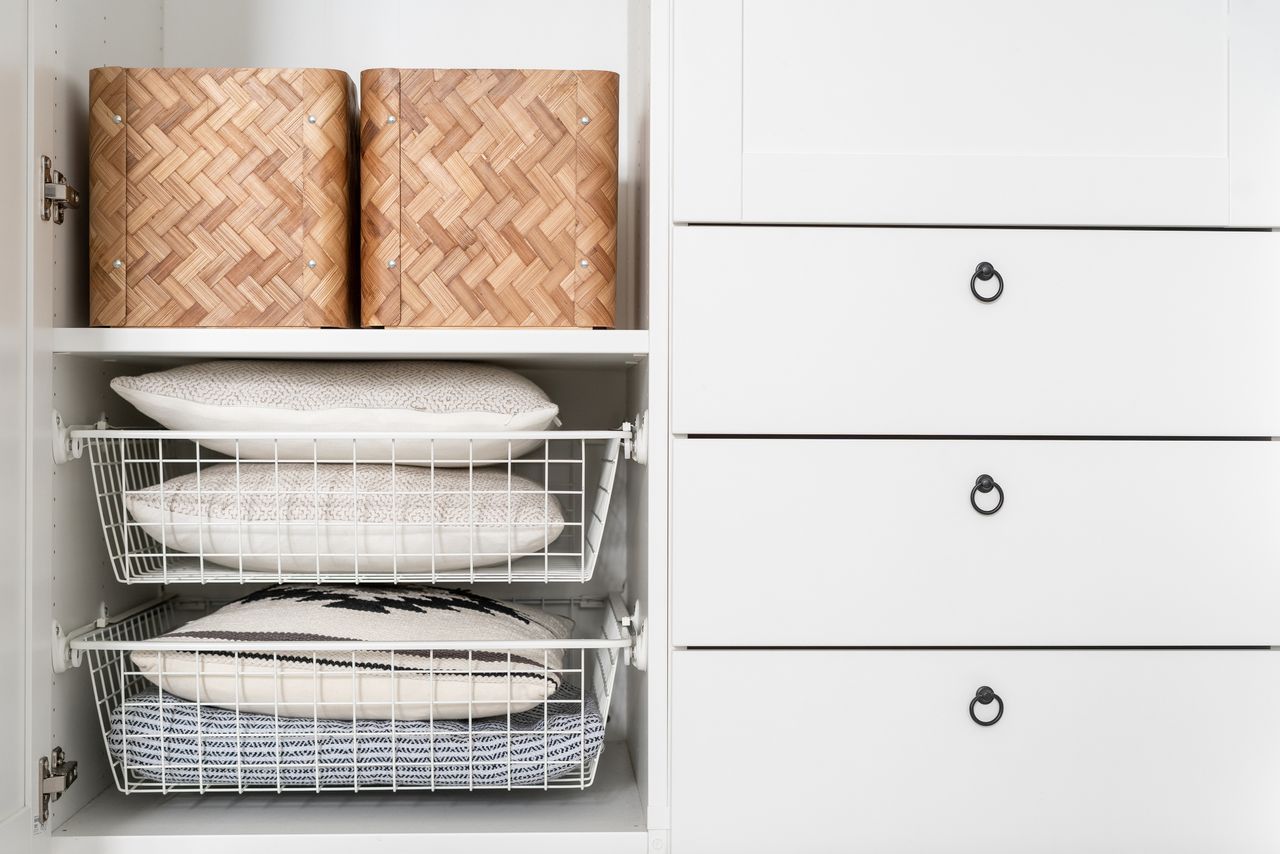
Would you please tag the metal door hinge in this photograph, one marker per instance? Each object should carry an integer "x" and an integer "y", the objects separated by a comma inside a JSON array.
[
  {"x": 58, "y": 194},
  {"x": 57, "y": 773}
]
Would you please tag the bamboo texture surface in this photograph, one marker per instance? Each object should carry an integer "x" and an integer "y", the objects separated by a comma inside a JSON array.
[
  {"x": 221, "y": 197},
  {"x": 488, "y": 197}
]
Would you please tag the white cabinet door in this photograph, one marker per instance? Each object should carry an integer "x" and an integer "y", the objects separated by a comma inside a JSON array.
[
  {"x": 876, "y": 331},
  {"x": 16, "y": 212},
  {"x": 1103, "y": 112},
  {"x": 875, "y": 542},
  {"x": 860, "y": 751}
]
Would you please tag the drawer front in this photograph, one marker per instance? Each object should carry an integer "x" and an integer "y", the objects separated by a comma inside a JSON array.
[
  {"x": 874, "y": 542},
  {"x": 1099, "y": 751},
  {"x": 877, "y": 331},
  {"x": 979, "y": 112}
]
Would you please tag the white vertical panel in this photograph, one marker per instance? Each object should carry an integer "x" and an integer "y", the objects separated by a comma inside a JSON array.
[
  {"x": 1255, "y": 113},
  {"x": 70, "y": 575},
  {"x": 585, "y": 34},
  {"x": 16, "y": 206},
  {"x": 707, "y": 110},
  {"x": 649, "y": 575}
]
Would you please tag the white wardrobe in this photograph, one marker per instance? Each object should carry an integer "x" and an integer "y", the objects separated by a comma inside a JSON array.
[
  {"x": 974, "y": 374},
  {"x": 950, "y": 332}
]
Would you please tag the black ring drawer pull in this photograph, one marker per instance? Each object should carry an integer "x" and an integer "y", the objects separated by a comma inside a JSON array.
[
  {"x": 984, "y": 484},
  {"x": 984, "y": 272},
  {"x": 985, "y": 696}
]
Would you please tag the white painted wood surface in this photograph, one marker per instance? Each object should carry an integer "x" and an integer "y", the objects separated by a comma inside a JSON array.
[
  {"x": 873, "y": 542},
  {"x": 583, "y": 347},
  {"x": 874, "y": 751},
  {"x": 863, "y": 330},
  {"x": 1136, "y": 112},
  {"x": 706, "y": 110},
  {"x": 606, "y": 817},
  {"x": 16, "y": 213}
]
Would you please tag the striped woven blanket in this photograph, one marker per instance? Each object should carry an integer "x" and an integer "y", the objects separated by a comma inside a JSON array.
[{"x": 160, "y": 737}]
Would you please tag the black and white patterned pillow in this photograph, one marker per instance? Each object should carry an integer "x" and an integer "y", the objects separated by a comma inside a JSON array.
[{"x": 345, "y": 683}]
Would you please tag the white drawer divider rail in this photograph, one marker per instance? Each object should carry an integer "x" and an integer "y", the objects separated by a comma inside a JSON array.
[{"x": 351, "y": 507}]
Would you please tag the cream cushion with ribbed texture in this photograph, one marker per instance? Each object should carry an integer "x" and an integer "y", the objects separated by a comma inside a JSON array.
[
  {"x": 300, "y": 518},
  {"x": 308, "y": 396}
]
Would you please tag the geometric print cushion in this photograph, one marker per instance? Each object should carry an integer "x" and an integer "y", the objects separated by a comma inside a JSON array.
[{"x": 348, "y": 683}]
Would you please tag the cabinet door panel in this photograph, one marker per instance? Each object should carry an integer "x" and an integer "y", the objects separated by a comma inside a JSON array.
[{"x": 1098, "y": 112}]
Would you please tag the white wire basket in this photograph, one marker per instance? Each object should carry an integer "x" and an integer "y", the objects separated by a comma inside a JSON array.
[
  {"x": 157, "y": 742},
  {"x": 353, "y": 507}
]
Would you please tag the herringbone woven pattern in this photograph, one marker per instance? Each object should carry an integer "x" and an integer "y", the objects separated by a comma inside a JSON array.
[
  {"x": 107, "y": 196},
  {"x": 488, "y": 191},
  {"x": 225, "y": 192}
]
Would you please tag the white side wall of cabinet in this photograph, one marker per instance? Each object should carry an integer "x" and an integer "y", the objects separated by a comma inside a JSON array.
[
  {"x": 873, "y": 542},
  {"x": 15, "y": 214},
  {"x": 874, "y": 751},
  {"x": 1096, "y": 112},
  {"x": 876, "y": 331}
]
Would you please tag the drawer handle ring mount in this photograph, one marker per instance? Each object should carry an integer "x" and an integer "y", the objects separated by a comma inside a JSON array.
[
  {"x": 985, "y": 272},
  {"x": 986, "y": 696},
  {"x": 984, "y": 484}
]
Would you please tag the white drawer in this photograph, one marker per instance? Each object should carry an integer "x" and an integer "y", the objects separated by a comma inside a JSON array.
[
  {"x": 874, "y": 542},
  {"x": 876, "y": 331},
  {"x": 1102, "y": 751},
  {"x": 1111, "y": 112}
]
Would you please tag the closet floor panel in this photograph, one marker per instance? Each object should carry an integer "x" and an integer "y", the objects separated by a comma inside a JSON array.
[{"x": 608, "y": 813}]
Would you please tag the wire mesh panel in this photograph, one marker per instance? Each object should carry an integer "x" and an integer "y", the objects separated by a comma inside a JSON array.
[
  {"x": 353, "y": 507},
  {"x": 280, "y": 716}
]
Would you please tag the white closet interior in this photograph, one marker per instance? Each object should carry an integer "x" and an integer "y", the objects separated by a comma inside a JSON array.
[{"x": 601, "y": 379}]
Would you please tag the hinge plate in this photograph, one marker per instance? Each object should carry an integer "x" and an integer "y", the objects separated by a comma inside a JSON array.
[
  {"x": 58, "y": 194},
  {"x": 639, "y": 446},
  {"x": 65, "y": 446},
  {"x": 57, "y": 774}
]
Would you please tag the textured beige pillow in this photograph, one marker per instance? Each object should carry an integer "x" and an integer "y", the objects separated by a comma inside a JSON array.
[
  {"x": 296, "y": 517},
  {"x": 313, "y": 396}
]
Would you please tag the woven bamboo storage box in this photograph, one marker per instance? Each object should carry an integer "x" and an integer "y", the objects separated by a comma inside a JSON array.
[
  {"x": 221, "y": 197},
  {"x": 488, "y": 197}
]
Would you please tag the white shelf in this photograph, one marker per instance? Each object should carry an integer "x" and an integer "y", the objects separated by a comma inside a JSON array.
[
  {"x": 551, "y": 347},
  {"x": 606, "y": 816}
]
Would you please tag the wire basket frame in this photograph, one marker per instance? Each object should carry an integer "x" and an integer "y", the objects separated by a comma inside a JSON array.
[
  {"x": 159, "y": 743},
  {"x": 352, "y": 507}
]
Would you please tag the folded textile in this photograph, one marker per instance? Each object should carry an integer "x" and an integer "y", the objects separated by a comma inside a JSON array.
[{"x": 160, "y": 737}]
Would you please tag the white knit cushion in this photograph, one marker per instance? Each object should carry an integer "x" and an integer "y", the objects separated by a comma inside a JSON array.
[
  {"x": 361, "y": 685},
  {"x": 296, "y": 517},
  {"x": 300, "y": 396}
]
